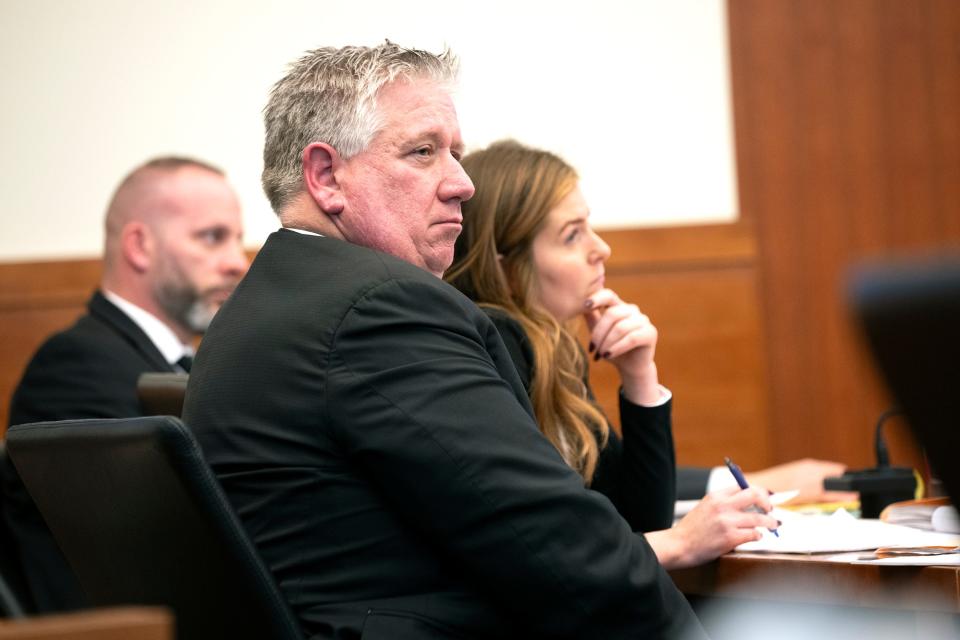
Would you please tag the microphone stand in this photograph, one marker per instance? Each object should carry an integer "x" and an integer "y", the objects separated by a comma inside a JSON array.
[{"x": 880, "y": 485}]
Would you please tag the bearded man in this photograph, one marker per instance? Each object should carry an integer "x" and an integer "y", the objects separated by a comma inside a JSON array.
[{"x": 172, "y": 255}]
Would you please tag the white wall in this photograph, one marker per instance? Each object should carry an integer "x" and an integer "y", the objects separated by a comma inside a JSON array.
[{"x": 634, "y": 94}]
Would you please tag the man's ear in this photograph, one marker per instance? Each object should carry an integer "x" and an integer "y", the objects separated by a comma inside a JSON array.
[
  {"x": 320, "y": 161},
  {"x": 137, "y": 245}
]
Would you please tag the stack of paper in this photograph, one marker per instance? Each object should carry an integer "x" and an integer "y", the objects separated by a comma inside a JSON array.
[
  {"x": 840, "y": 532},
  {"x": 930, "y": 514}
]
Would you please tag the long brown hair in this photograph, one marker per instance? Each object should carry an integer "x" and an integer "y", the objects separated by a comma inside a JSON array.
[{"x": 516, "y": 188}]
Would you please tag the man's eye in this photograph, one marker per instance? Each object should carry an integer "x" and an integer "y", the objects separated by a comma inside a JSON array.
[
  {"x": 424, "y": 152},
  {"x": 213, "y": 236}
]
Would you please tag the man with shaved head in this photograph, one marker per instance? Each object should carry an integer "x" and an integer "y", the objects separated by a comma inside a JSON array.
[{"x": 172, "y": 255}]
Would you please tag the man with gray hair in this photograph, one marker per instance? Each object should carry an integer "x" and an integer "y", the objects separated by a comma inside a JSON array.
[
  {"x": 172, "y": 254},
  {"x": 365, "y": 418}
]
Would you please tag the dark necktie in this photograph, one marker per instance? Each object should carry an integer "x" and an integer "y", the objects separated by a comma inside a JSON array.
[{"x": 185, "y": 362}]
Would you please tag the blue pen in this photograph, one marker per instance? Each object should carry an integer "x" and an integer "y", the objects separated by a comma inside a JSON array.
[{"x": 742, "y": 483}]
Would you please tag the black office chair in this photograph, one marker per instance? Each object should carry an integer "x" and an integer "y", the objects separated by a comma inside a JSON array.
[
  {"x": 14, "y": 599},
  {"x": 161, "y": 394},
  {"x": 142, "y": 520}
]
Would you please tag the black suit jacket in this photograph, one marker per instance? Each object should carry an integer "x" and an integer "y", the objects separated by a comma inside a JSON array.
[
  {"x": 370, "y": 429},
  {"x": 87, "y": 371}
]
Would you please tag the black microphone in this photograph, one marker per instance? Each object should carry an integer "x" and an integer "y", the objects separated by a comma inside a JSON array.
[
  {"x": 881, "y": 485},
  {"x": 880, "y": 445}
]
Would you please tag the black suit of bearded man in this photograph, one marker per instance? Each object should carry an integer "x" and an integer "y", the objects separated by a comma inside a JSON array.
[
  {"x": 369, "y": 427},
  {"x": 87, "y": 371}
]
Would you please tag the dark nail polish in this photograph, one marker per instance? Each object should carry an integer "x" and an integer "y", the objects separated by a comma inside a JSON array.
[
  {"x": 596, "y": 356},
  {"x": 606, "y": 355},
  {"x": 591, "y": 348},
  {"x": 779, "y": 523}
]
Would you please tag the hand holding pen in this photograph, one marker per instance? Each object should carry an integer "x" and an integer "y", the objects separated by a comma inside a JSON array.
[
  {"x": 625, "y": 337},
  {"x": 718, "y": 524},
  {"x": 742, "y": 483}
]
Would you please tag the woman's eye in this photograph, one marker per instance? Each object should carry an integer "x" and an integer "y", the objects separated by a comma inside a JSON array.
[{"x": 572, "y": 236}]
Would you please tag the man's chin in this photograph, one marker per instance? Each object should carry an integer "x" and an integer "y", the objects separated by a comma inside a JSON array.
[
  {"x": 439, "y": 262},
  {"x": 200, "y": 315},
  {"x": 215, "y": 299}
]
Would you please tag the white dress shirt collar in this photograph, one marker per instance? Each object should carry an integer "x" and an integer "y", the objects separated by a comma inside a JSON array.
[
  {"x": 159, "y": 333},
  {"x": 304, "y": 231}
]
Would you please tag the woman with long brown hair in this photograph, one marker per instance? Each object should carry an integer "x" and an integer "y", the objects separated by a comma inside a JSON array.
[{"x": 528, "y": 257}]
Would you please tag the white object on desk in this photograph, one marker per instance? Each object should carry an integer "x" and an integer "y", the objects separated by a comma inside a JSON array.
[
  {"x": 945, "y": 519},
  {"x": 781, "y": 497},
  {"x": 944, "y": 560},
  {"x": 683, "y": 507},
  {"x": 840, "y": 532}
]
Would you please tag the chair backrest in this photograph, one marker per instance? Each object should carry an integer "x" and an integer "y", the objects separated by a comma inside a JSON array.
[
  {"x": 161, "y": 394},
  {"x": 142, "y": 520},
  {"x": 14, "y": 601}
]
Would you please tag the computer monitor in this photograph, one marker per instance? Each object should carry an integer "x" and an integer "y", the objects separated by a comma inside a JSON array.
[{"x": 909, "y": 311}]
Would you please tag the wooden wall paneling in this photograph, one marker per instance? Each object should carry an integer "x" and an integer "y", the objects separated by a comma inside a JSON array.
[
  {"x": 41, "y": 284},
  {"x": 24, "y": 331},
  {"x": 907, "y": 105},
  {"x": 944, "y": 50},
  {"x": 765, "y": 185},
  {"x": 781, "y": 67},
  {"x": 704, "y": 246},
  {"x": 698, "y": 285},
  {"x": 921, "y": 98},
  {"x": 847, "y": 145},
  {"x": 37, "y": 299}
]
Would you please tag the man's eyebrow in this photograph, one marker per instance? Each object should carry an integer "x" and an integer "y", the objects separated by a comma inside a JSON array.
[
  {"x": 430, "y": 133},
  {"x": 212, "y": 228},
  {"x": 435, "y": 135}
]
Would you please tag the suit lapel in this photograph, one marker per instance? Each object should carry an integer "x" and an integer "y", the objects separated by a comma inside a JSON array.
[{"x": 110, "y": 314}]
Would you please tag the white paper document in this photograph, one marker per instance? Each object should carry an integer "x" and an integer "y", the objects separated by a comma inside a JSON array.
[
  {"x": 683, "y": 507},
  {"x": 840, "y": 532}
]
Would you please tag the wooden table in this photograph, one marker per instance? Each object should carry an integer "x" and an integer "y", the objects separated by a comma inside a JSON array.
[
  {"x": 809, "y": 590},
  {"x": 812, "y": 579}
]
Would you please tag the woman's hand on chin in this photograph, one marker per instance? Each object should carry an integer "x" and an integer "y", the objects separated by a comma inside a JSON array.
[{"x": 620, "y": 333}]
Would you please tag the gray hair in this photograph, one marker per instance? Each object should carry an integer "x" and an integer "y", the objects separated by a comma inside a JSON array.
[{"x": 330, "y": 95}]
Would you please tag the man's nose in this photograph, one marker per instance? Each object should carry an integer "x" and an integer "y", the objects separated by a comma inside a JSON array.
[
  {"x": 456, "y": 184},
  {"x": 235, "y": 261}
]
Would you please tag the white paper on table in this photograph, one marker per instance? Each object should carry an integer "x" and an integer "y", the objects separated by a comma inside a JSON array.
[
  {"x": 840, "y": 532},
  {"x": 783, "y": 496},
  {"x": 943, "y": 560},
  {"x": 683, "y": 507}
]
